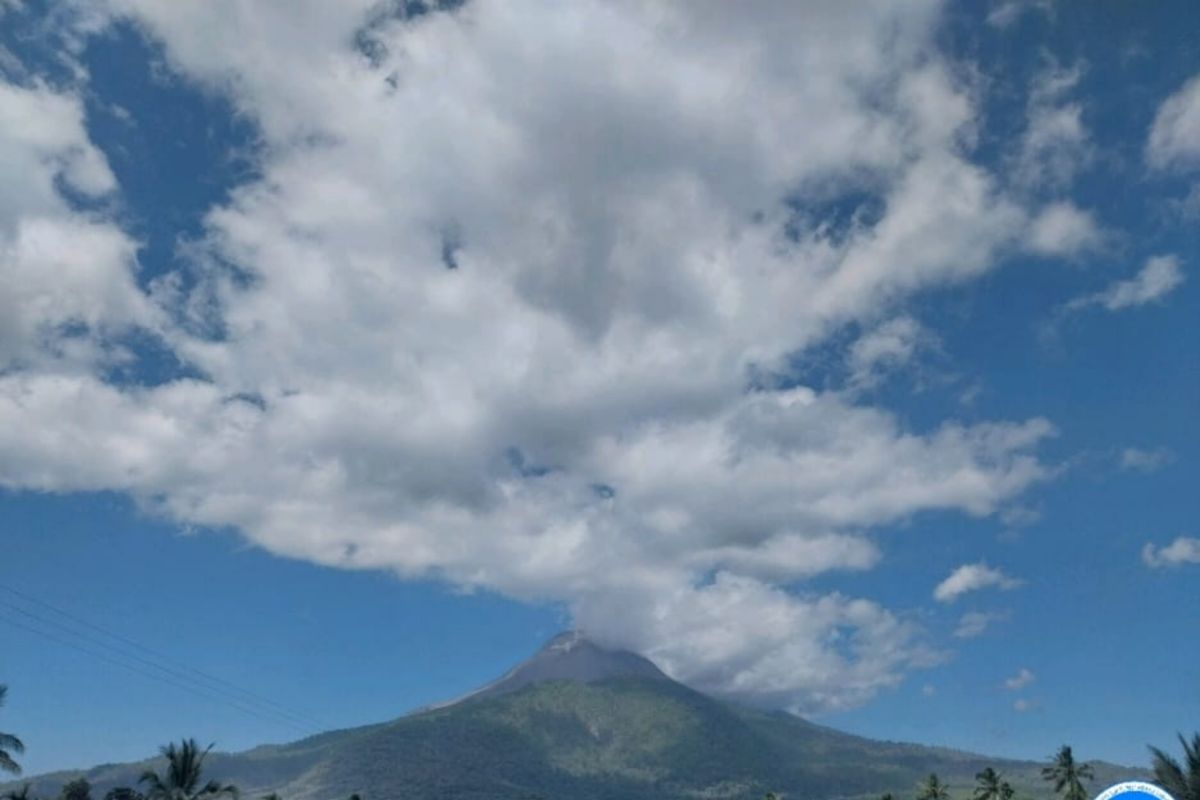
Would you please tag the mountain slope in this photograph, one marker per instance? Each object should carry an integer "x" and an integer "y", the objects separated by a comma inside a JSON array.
[{"x": 582, "y": 722}]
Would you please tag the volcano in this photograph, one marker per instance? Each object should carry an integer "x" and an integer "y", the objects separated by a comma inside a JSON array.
[{"x": 582, "y": 721}]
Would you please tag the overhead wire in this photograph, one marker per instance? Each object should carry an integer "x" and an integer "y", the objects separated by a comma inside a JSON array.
[
  {"x": 152, "y": 676},
  {"x": 153, "y": 664}
]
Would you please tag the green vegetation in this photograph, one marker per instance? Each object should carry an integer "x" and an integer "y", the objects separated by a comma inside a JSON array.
[
  {"x": 990, "y": 786},
  {"x": 185, "y": 765},
  {"x": 9, "y": 744},
  {"x": 1067, "y": 775},
  {"x": 932, "y": 788},
  {"x": 123, "y": 793},
  {"x": 1182, "y": 781},
  {"x": 78, "y": 789}
]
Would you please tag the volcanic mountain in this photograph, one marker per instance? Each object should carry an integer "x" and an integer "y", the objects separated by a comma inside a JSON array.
[{"x": 583, "y": 722}]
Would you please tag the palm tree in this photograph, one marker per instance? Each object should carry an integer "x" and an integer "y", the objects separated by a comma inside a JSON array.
[
  {"x": 1067, "y": 775},
  {"x": 1181, "y": 781},
  {"x": 185, "y": 764},
  {"x": 17, "y": 794},
  {"x": 991, "y": 786},
  {"x": 933, "y": 789},
  {"x": 9, "y": 744}
]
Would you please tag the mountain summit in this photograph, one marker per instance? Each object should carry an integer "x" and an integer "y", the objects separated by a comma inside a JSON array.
[{"x": 571, "y": 656}]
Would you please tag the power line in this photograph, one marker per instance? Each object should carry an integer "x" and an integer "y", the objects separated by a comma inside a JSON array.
[
  {"x": 248, "y": 695},
  {"x": 172, "y": 676},
  {"x": 115, "y": 662},
  {"x": 180, "y": 676},
  {"x": 220, "y": 683}
]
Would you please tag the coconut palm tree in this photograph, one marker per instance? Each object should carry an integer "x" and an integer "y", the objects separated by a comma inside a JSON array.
[
  {"x": 1182, "y": 781},
  {"x": 990, "y": 786},
  {"x": 185, "y": 764},
  {"x": 1067, "y": 775},
  {"x": 933, "y": 789},
  {"x": 9, "y": 744}
]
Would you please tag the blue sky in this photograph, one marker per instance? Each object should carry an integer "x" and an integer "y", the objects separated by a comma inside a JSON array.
[{"x": 841, "y": 360}]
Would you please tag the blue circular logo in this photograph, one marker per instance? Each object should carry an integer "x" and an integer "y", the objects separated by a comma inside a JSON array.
[{"x": 1134, "y": 790}]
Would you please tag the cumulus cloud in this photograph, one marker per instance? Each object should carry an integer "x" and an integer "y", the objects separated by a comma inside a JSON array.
[
  {"x": 68, "y": 277},
  {"x": 1019, "y": 681},
  {"x": 1157, "y": 278},
  {"x": 509, "y": 303},
  {"x": 1063, "y": 229},
  {"x": 972, "y": 578},
  {"x": 975, "y": 623},
  {"x": 1174, "y": 141},
  {"x": 1184, "y": 550}
]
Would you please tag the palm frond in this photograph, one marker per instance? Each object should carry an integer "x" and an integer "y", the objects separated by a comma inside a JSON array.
[
  {"x": 8, "y": 765},
  {"x": 155, "y": 787},
  {"x": 1168, "y": 774},
  {"x": 1191, "y": 759}
]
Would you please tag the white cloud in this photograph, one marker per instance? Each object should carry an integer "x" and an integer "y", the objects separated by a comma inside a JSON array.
[
  {"x": 1004, "y": 13},
  {"x": 1021, "y": 705},
  {"x": 1158, "y": 277},
  {"x": 564, "y": 415},
  {"x": 884, "y": 348},
  {"x": 928, "y": 690},
  {"x": 1055, "y": 145},
  {"x": 1174, "y": 141},
  {"x": 1019, "y": 681},
  {"x": 1135, "y": 458},
  {"x": 971, "y": 578},
  {"x": 67, "y": 276},
  {"x": 1183, "y": 550},
  {"x": 1017, "y": 516},
  {"x": 975, "y": 623},
  {"x": 1062, "y": 229}
]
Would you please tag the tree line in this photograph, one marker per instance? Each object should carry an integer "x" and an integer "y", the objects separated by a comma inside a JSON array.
[
  {"x": 183, "y": 777},
  {"x": 1180, "y": 779}
]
